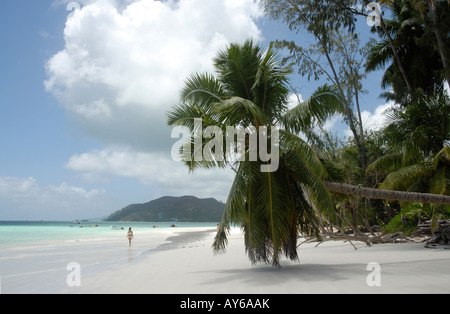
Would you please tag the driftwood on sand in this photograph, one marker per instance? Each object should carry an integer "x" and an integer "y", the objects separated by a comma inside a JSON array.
[
  {"x": 433, "y": 234},
  {"x": 440, "y": 234}
]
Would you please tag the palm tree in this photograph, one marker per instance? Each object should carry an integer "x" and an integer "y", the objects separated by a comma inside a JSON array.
[
  {"x": 250, "y": 89},
  {"x": 419, "y": 160},
  {"x": 442, "y": 43},
  {"x": 414, "y": 48}
]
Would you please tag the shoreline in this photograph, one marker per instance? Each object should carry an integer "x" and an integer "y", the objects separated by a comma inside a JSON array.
[
  {"x": 43, "y": 266},
  {"x": 183, "y": 262}
]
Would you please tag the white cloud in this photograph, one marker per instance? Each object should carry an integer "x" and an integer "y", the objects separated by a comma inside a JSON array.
[
  {"x": 332, "y": 123},
  {"x": 26, "y": 198},
  {"x": 294, "y": 100},
  {"x": 152, "y": 169},
  {"x": 121, "y": 70},
  {"x": 373, "y": 121},
  {"x": 378, "y": 119}
]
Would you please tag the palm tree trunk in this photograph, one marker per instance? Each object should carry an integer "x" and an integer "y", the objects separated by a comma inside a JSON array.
[
  {"x": 397, "y": 57},
  {"x": 391, "y": 43},
  {"x": 440, "y": 40},
  {"x": 387, "y": 194}
]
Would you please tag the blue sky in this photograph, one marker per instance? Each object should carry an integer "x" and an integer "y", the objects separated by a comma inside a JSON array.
[{"x": 82, "y": 99}]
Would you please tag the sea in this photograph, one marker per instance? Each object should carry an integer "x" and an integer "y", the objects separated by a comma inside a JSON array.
[
  {"x": 36, "y": 256},
  {"x": 26, "y": 233}
]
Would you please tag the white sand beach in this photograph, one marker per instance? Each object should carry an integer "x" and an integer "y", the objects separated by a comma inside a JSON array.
[
  {"x": 188, "y": 265},
  {"x": 181, "y": 261}
]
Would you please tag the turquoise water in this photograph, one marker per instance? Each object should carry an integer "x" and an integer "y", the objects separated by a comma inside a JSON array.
[
  {"x": 17, "y": 233},
  {"x": 34, "y": 255}
]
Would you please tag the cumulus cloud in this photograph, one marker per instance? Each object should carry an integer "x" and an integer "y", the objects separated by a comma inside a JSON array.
[
  {"x": 27, "y": 199},
  {"x": 121, "y": 69},
  {"x": 152, "y": 169},
  {"x": 374, "y": 121}
]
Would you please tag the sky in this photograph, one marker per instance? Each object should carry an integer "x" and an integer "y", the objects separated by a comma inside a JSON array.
[{"x": 84, "y": 87}]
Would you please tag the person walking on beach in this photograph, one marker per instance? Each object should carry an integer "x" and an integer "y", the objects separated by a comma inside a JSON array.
[{"x": 130, "y": 235}]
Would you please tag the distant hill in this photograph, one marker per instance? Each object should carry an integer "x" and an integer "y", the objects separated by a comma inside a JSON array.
[{"x": 184, "y": 208}]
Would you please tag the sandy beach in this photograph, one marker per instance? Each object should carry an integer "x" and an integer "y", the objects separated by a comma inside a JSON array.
[
  {"x": 181, "y": 261},
  {"x": 186, "y": 264}
]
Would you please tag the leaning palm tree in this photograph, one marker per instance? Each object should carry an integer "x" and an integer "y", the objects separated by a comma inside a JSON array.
[{"x": 250, "y": 91}]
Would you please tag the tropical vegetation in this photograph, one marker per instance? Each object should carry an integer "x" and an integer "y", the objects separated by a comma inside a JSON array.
[
  {"x": 250, "y": 89},
  {"x": 326, "y": 184}
]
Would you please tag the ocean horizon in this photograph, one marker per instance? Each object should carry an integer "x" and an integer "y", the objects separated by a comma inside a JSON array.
[{"x": 21, "y": 232}]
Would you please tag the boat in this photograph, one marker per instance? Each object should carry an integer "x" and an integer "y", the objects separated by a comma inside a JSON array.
[{"x": 117, "y": 228}]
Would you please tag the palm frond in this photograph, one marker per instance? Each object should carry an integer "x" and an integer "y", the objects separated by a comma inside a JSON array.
[
  {"x": 239, "y": 111},
  {"x": 271, "y": 88},
  {"x": 387, "y": 163},
  {"x": 237, "y": 66},
  {"x": 324, "y": 103},
  {"x": 235, "y": 207},
  {"x": 292, "y": 144},
  {"x": 380, "y": 53},
  {"x": 202, "y": 89},
  {"x": 406, "y": 177},
  {"x": 440, "y": 182},
  {"x": 198, "y": 95},
  {"x": 307, "y": 169},
  {"x": 442, "y": 157},
  {"x": 204, "y": 154}
]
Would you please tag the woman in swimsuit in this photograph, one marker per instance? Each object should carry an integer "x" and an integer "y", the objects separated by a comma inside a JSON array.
[{"x": 130, "y": 235}]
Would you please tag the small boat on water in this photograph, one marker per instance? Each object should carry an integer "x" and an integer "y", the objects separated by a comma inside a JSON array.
[{"x": 117, "y": 228}]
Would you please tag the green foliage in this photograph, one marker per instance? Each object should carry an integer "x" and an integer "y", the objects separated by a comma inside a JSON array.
[
  {"x": 250, "y": 88},
  {"x": 417, "y": 156},
  {"x": 406, "y": 220},
  {"x": 413, "y": 34}
]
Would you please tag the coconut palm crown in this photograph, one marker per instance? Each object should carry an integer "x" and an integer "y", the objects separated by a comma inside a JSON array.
[{"x": 250, "y": 89}]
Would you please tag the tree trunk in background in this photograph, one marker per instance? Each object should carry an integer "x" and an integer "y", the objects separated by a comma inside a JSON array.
[
  {"x": 440, "y": 40},
  {"x": 397, "y": 57},
  {"x": 371, "y": 193}
]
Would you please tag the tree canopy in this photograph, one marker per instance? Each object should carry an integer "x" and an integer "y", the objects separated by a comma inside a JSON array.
[{"x": 325, "y": 184}]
